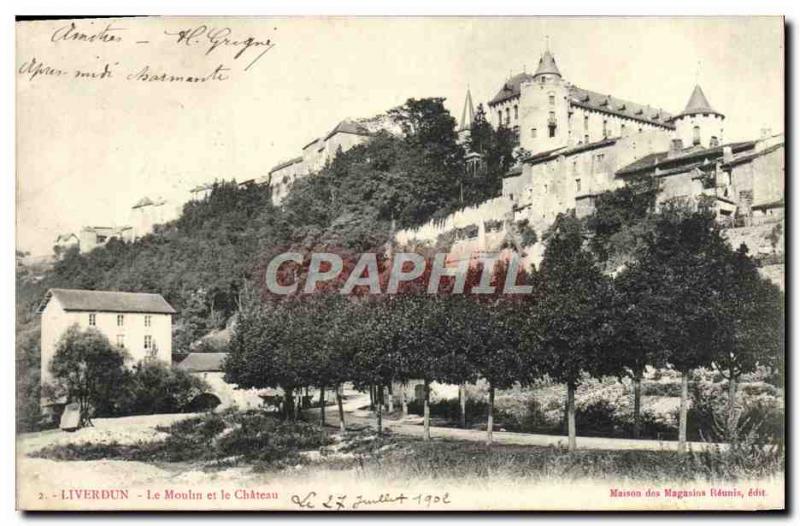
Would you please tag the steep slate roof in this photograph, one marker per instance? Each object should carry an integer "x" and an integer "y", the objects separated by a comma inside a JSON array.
[
  {"x": 510, "y": 89},
  {"x": 208, "y": 362},
  {"x": 108, "y": 301},
  {"x": 547, "y": 65},
  {"x": 698, "y": 103},
  {"x": 592, "y": 100},
  {"x": 348, "y": 126}
]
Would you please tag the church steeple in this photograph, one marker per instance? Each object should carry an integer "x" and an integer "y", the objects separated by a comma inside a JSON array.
[{"x": 468, "y": 113}]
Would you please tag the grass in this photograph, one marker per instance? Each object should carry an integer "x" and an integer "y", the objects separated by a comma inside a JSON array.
[
  {"x": 262, "y": 441},
  {"x": 217, "y": 440}
]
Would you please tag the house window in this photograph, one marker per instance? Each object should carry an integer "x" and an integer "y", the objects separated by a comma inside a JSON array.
[
  {"x": 148, "y": 320},
  {"x": 121, "y": 340},
  {"x": 577, "y": 185},
  {"x": 148, "y": 341},
  {"x": 120, "y": 320},
  {"x": 92, "y": 319}
]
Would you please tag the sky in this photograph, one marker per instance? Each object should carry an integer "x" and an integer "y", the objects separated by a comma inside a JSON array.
[{"x": 89, "y": 148}]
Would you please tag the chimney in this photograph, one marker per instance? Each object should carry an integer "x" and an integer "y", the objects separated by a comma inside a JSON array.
[
  {"x": 675, "y": 146},
  {"x": 727, "y": 154}
]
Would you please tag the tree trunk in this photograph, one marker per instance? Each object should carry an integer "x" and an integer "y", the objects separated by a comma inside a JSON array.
[
  {"x": 371, "y": 397},
  {"x": 462, "y": 398},
  {"x": 426, "y": 412},
  {"x": 322, "y": 409},
  {"x": 490, "y": 416},
  {"x": 637, "y": 405},
  {"x": 288, "y": 403},
  {"x": 342, "y": 426},
  {"x": 572, "y": 441},
  {"x": 732, "y": 407},
  {"x": 682, "y": 414},
  {"x": 391, "y": 398},
  {"x": 404, "y": 399},
  {"x": 380, "y": 409}
]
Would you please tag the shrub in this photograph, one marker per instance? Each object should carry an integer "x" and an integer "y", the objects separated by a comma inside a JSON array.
[
  {"x": 154, "y": 388},
  {"x": 670, "y": 389}
]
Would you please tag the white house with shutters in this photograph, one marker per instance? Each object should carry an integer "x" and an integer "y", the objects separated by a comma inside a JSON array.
[{"x": 140, "y": 323}]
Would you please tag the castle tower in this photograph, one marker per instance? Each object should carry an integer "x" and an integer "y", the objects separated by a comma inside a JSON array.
[
  {"x": 699, "y": 124},
  {"x": 544, "y": 108}
]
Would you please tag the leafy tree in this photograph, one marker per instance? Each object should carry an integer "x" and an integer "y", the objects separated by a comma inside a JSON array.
[
  {"x": 572, "y": 316},
  {"x": 257, "y": 356},
  {"x": 496, "y": 148},
  {"x": 688, "y": 255},
  {"x": 637, "y": 315},
  {"x": 753, "y": 321},
  {"x": 89, "y": 370},
  {"x": 154, "y": 388}
]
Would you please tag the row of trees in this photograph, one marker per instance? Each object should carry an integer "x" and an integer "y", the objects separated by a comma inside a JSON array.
[{"x": 686, "y": 300}]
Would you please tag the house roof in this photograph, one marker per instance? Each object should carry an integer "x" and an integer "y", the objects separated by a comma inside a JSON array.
[
  {"x": 620, "y": 107},
  {"x": 698, "y": 103},
  {"x": 108, "y": 301},
  {"x": 348, "y": 126},
  {"x": 549, "y": 155},
  {"x": 203, "y": 362},
  {"x": 285, "y": 164},
  {"x": 144, "y": 201},
  {"x": 511, "y": 88},
  {"x": 687, "y": 156}
]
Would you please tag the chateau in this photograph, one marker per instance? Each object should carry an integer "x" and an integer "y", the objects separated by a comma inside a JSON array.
[{"x": 576, "y": 144}]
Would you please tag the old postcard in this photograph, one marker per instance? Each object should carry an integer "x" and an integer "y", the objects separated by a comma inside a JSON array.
[{"x": 408, "y": 263}]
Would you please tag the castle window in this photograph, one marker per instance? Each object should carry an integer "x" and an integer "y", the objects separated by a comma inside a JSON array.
[
  {"x": 499, "y": 117},
  {"x": 586, "y": 122},
  {"x": 696, "y": 137},
  {"x": 508, "y": 115},
  {"x": 533, "y": 133},
  {"x": 622, "y": 130},
  {"x": 552, "y": 130},
  {"x": 586, "y": 139},
  {"x": 605, "y": 129},
  {"x": 516, "y": 112},
  {"x": 714, "y": 141},
  {"x": 92, "y": 320},
  {"x": 552, "y": 99},
  {"x": 577, "y": 185},
  {"x": 575, "y": 167},
  {"x": 640, "y": 129}
]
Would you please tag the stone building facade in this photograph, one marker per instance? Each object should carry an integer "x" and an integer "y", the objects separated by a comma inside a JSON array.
[{"x": 575, "y": 144}]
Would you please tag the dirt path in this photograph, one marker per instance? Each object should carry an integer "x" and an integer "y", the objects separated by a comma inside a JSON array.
[{"x": 356, "y": 417}]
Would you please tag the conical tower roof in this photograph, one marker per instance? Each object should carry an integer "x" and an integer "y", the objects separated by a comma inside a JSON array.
[
  {"x": 547, "y": 65},
  {"x": 698, "y": 103}
]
